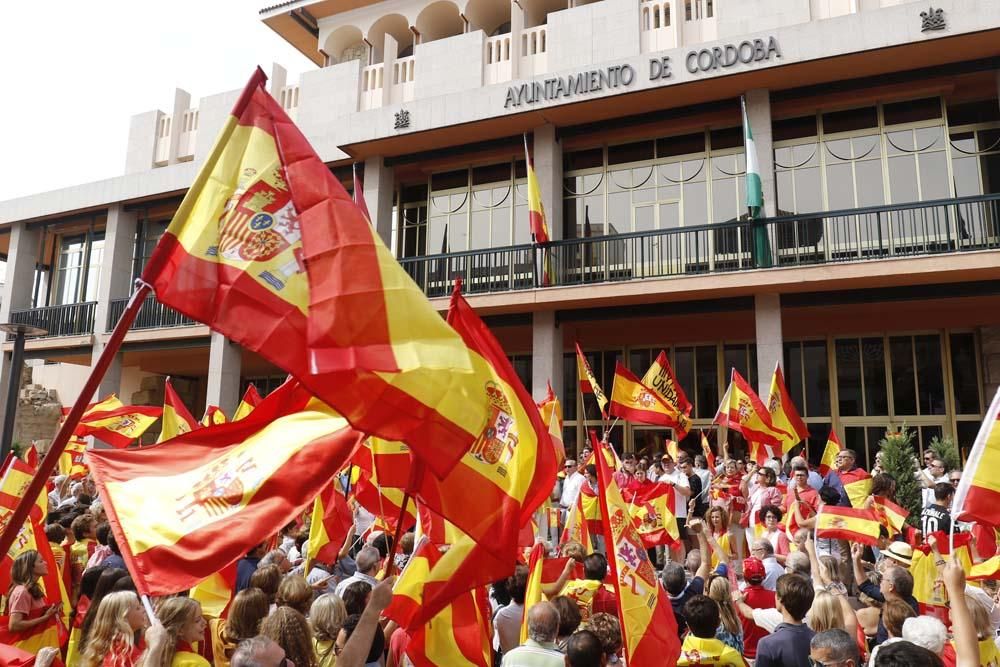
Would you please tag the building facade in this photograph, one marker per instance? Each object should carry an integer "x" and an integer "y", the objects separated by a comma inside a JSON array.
[{"x": 874, "y": 276}]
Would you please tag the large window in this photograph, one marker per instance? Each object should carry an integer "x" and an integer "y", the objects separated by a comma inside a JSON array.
[{"x": 78, "y": 268}]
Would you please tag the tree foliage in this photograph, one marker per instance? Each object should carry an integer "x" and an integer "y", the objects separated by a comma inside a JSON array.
[
  {"x": 900, "y": 460},
  {"x": 946, "y": 450}
]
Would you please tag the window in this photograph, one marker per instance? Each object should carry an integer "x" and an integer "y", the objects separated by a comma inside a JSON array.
[
  {"x": 78, "y": 268},
  {"x": 522, "y": 366},
  {"x": 964, "y": 374},
  {"x": 807, "y": 377},
  {"x": 147, "y": 236}
]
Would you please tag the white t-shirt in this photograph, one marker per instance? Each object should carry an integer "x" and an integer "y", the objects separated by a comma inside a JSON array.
[
  {"x": 680, "y": 502},
  {"x": 571, "y": 489}
]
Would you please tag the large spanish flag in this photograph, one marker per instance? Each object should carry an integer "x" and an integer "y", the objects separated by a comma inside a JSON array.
[
  {"x": 328, "y": 526},
  {"x": 649, "y": 629},
  {"x": 536, "y": 212},
  {"x": 184, "y": 510},
  {"x": 251, "y": 399},
  {"x": 533, "y": 592},
  {"x": 177, "y": 419},
  {"x": 742, "y": 410},
  {"x": 634, "y": 401},
  {"x": 588, "y": 382},
  {"x": 387, "y": 463},
  {"x": 977, "y": 497},
  {"x": 215, "y": 592},
  {"x": 661, "y": 379},
  {"x": 120, "y": 427},
  {"x": 784, "y": 416},
  {"x": 858, "y": 485},
  {"x": 652, "y": 511},
  {"x": 354, "y": 328},
  {"x": 828, "y": 461},
  {"x": 458, "y": 636},
  {"x": 889, "y": 514},
  {"x": 845, "y": 523},
  {"x": 931, "y": 596}
]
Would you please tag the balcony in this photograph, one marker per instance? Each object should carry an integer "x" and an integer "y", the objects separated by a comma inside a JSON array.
[
  {"x": 881, "y": 232},
  {"x": 152, "y": 315},
  {"x": 73, "y": 319}
]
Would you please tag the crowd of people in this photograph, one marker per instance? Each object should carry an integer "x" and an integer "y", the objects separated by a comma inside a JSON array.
[{"x": 744, "y": 589}]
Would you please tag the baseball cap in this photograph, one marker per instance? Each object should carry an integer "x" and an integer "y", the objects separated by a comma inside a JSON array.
[
  {"x": 901, "y": 552},
  {"x": 753, "y": 570}
]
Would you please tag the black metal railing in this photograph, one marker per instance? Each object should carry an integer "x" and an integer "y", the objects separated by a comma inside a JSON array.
[
  {"x": 879, "y": 232},
  {"x": 152, "y": 315},
  {"x": 71, "y": 319}
]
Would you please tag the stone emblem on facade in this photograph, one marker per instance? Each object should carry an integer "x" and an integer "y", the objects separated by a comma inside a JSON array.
[
  {"x": 932, "y": 19},
  {"x": 402, "y": 119}
]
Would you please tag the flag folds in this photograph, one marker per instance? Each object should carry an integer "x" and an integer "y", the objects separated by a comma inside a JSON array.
[
  {"x": 889, "y": 514},
  {"x": 119, "y": 427},
  {"x": 828, "y": 461},
  {"x": 177, "y": 419},
  {"x": 977, "y": 497},
  {"x": 328, "y": 527},
  {"x": 743, "y": 411},
  {"x": 533, "y": 592},
  {"x": 661, "y": 379},
  {"x": 784, "y": 416},
  {"x": 652, "y": 510},
  {"x": 184, "y": 511},
  {"x": 845, "y": 523},
  {"x": 354, "y": 328},
  {"x": 857, "y": 484},
  {"x": 536, "y": 212},
  {"x": 634, "y": 401},
  {"x": 588, "y": 383},
  {"x": 213, "y": 416},
  {"x": 458, "y": 636},
  {"x": 71, "y": 461},
  {"x": 251, "y": 399}
]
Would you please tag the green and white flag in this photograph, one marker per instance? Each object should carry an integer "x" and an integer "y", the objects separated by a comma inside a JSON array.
[{"x": 755, "y": 193}]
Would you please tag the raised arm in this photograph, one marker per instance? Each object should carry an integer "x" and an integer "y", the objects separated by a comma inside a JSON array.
[
  {"x": 357, "y": 647},
  {"x": 697, "y": 526},
  {"x": 962, "y": 627},
  {"x": 553, "y": 589}
]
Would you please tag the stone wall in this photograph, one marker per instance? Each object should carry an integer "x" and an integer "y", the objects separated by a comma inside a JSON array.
[{"x": 38, "y": 413}]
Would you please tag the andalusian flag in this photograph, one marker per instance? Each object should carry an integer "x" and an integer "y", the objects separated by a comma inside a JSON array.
[
  {"x": 743, "y": 411},
  {"x": 328, "y": 527},
  {"x": 828, "y": 461},
  {"x": 709, "y": 454},
  {"x": 858, "y": 485},
  {"x": 634, "y": 401},
  {"x": 251, "y": 399},
  {"x": 354, "y": 329},
  {"x": 533, "y": 593},
  {"x": 177, "y": 419},
  {"x": 184, "y": 511},
  {"x": 652, "y": 511},
  {"x": 536, "y": 212},
  {"x": 459, "y": 636},
  {"x": 120, "y": 427},
  {"x": 649, "y": 629},
  {"x": 977, "y": 497},
  {"x": 661, "y": 379},
  {"x": 588, "y": 383},
  {"x": 784, "y": 416},
  {"x": 845, "y": 523},
  {"x": 890, "y": 515},
  {"x": 214, "y": 416},
  {"x": 71, "y": 461},
  {"x": 755, "y": 194}
]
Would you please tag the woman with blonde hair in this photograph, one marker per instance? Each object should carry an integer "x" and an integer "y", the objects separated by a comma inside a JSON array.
[
  {"x": 248, "y": 609},
  {"x": 294, "y": 592},
  {"x": 25, "y": 604},
  {"x": 111, "y": 640},
  {"x": 730, "y": 630},
  {"x": 825, "y": 613},
  {"x": 326, "y": 616},
  {"x": 290, "y": 630},
  {"x": 184, "y": 625}
]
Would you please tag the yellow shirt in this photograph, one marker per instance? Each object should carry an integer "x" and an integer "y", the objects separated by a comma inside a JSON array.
[
  {"x": 79, "y": 553},
  {"x": 188, "y": 659},
  {"x": 698, "y": 651},
  {"x": 325, "y": 655}
]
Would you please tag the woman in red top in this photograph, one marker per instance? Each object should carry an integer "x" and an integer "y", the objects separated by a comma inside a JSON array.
[
  {"x": 26, "y": 608},
  {"x": 732, "y": 498},
  {"x": 112, "y": 638}
]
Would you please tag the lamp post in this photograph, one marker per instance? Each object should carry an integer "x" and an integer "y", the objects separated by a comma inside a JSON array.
[{"x": 20, "y": 331}]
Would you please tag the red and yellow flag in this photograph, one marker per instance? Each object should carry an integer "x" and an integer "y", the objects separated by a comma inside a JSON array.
[
  {"x": 533, "y": 593},
  {"x": 649, "y": 629},
  {"x": 536, "y": 212},
  {"x": 784, "y": 416},
  {"x": 828, "y": 461},
  {"x": 742, "y": 411},
  {"x": 977, "y": 497},
  {"x": 214, "y": 416},
  {"x": 460, "y": 635},
  {"x": 588, "y": 383},
  {"x": 183, "y": 512},
  {"x": 661, "y": 379},
  {"x": 384, "y": 502},
  {"x": 71, "y": 461},
  {"x": 552, "y": 416},
  {"x": 634, "y": 401},
  {"x": 177, "y": 419},
  {"x": 121, "y": 427},
  {"x": 652, "y": 511},
  {"x": 251, "y": 399},
  {"x": 928, "y": 590},
  {"x": 328, "y": 527},
  {"x": 386, "y": 463},
  {"x": 889, "y": 514},
  {"x": 709, "y": 454},
  {"x": 845, "y": 523},
  {"x": 215, "y": 592},
  {"x": 577, "y": 528},
  {"x": 857, "y": 484},
  {"x": 354, "y": 328}
]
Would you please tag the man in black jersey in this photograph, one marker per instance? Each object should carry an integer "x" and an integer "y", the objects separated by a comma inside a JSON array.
[{"x": 936, "y": 515}]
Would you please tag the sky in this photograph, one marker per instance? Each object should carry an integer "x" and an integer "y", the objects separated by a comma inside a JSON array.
[{"x": 77, "y": 71}]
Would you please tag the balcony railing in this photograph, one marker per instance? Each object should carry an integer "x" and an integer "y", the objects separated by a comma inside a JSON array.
[
  {"x": 72, "y": 319},
  {"x": 881, "y": 232},
  {"x": 152, "y": 315}
]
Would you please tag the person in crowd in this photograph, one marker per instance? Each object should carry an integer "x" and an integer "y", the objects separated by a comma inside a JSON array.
[
  {"x": 406, "y": 544},
  {"x": 894, "y": 614},
  {"x": 701, "y": 646},
  {"x": 813, "y": 478},
  {"x": 774, "y": 531},
  {"x": 540, "y": 648},
  {"x": 368, "y": 560},
  {"x": 591, "y": 594},
  {"x": 682, "y": 492},
  {"x": 730, "y": 630},
  {"x": 753, "y": 596},
  {"x": 985, "y": 632},
  {"x": 356, "y": 597},
  {"x": 365, "y": 638},
  {"x": 907, "y": 654},
  {"x": 184, "y": 625},
  {"x": 571, "y": 486},
  {"x": 291, "y": 631},
  {"x": 247, "y": 565},
  {"x": 936, "y": 515},
  {"x": 267, "y": 579},
  {"x": 101, "y": 551},
  {"x": 376, "y": 645},
  {"x": 625, "y": 476},
  {"x": 761, "y": 491},
  {"x": 926, "y": 631},
  {"x": 896, "y": 584},
  {"x": 584, "y": 650},
  {"x": 85, "y": 541},
  {"x": 798, "y": 563},
  {"x": 276, "y": 557},
  {"x": 701, "y": 469},
  {"x": 718, "y": 536},
  {"x": 112, "y": 641},
  {"x": 675, "y": 582},
  {"x": 246, "y": 612},
  {"x": 326, "y": 617},
  {"x": 25, "y": 602},
  {"x": 294, "y": 592},
  {"x": 259, "y": 651},
  {"x": 788, "y": 645},
  {"x": 827, "y": 496},
  {"x": 105, "y": 584},
  {"x": 762, "y": 549},
  {"x": 834, "y": 647},
  {"x": 88, "y": 585},
  {"x": 569, "y": 620},
  {"x": 937, "y": 474},
  {"x": 801, "y": 493},
  {"x": 844, "y": 467},
  {"x": 698, "y": 503},
  {"x": 507, "y": 621},
  {"x": 609, "y": 631}
]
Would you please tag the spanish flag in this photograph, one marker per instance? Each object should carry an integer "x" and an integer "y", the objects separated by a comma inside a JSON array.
[
  {"x": 633, "y": 401},
  {"x": 184, "y": 511},
  {"x": 742, "y": 411},
  {"x": 649, "y": 629},
  {"x": 386, "y": 463},
  {"x": 533, "y": 593},
  {"x": 536, "y": 212},
  {"x": 121, "y": 427},
  {"x": 652, "y": 511},
  {"x": 460, "y": 635},
  {"x": 577, "y": 528},
  {"x": 845, "y": 523},
  {"x": 215, "y": 592},
  {"x": 709, "y": 454},
  {"x": 858, "y": 485},
  {"x": 354, "y": 328},
  {"x": 385, "y": 502},
  {"x": 213, "y": 416},
  {"x": 177, "y": 419},
  {"x": 328, "y": 527},
  {"x": 251, "y": 399},
  {"x": 588, "y": 383},
  {"x": 661, "y": 379},
  {"x": 931, "y": 596},
  {"x": 988, "y": 569},
  {"x": 828, "y": 461},
  {"x": 552, "y": 416},
  {"x": 977, "y": 497},
  {"x": 71, "y": 461},
  {"x": 890, "y": 515},
  {"x": 784, "y": 416}
]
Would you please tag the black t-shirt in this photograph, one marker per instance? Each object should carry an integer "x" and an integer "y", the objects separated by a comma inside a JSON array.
[
  {"x": 694, "y": 587},
  {"x": 700, "y": 502},
  {"x": 935, "y": 518}
]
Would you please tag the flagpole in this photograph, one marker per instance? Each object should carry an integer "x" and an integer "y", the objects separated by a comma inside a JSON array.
[
  {"x": 416, "y": 476},
  {"x": 149, "y": 610},
  {"x": 51, "y": 460}
]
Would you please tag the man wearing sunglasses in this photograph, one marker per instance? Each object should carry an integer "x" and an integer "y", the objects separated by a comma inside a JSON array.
[{"x": 833, "y": 648}]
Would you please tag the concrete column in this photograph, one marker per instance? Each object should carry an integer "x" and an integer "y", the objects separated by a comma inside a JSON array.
[
  {"x": 380, "y": 193},
  {"x": 546, "y": 355},
  {"x": 141, "y": 151},
  {"x": 224, "y": 361},
  {"x": 758, "y": 103},
  {"x": 182, "y": 102},
  {"x": 116, "y": 268},
  {"x": 548, "y": 167},
  {"x": 278, "y": 80},
  {"x": 517, "y": 20},
  {"x": 770, "y": 346},
  {"x": 22, "y": 255},
  {"x": 390, "y": 49}
]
